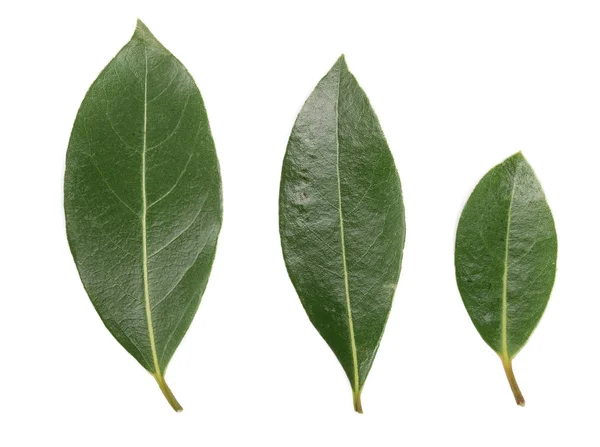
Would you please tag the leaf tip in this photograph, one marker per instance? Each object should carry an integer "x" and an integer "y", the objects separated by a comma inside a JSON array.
[
  {"x": 140, "y": 26},
  {"x": 518, "y": 156},
  {"x": 143, "y": 33},
  {"x": 341, "y": 62}
]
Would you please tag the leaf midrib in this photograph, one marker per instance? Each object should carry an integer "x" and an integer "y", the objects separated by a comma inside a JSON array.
[
  {"x": 147, "y": 305},
  {"x": 504, "y": 314},
  {"x": 356, "y": 384}
]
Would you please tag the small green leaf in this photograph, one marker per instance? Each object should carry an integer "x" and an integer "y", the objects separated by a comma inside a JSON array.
[
  {"x": 143, "y": 200},
  {"x": 505, "y": 258},
  {"x": 341, "y": 219}
]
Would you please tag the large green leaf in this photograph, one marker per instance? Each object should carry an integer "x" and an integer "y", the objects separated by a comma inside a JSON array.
[
  {"x": 505, "y": 258},
  {"x": 143, "y": 200},
  {"x": 341, "y": 221}
]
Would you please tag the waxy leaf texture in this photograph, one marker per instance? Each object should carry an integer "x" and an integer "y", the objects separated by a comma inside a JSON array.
[
  {"x": 505, "y": 258},
  {"x": 341, "y": 220},
  {"x": 143, "y": 200}
]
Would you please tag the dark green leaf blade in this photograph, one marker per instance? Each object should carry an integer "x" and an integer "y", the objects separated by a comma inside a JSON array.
[
  {"x": 505, "y": 258},
  {"x": 143, "y": 200},
  {"x": 341, "y": 220}
]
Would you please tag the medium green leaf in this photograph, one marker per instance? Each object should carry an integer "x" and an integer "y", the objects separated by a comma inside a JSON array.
[
  {"x": 505, "y": 258},
  {"x": 341, "y": 219},
  {"x": 143, "y": 200}
]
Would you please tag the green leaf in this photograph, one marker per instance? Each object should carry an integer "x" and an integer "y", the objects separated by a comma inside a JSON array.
[
  {"x": 143, "y": 200},
  {"x": 505, "y": 258},
  {"x": 341, "y": 219}
]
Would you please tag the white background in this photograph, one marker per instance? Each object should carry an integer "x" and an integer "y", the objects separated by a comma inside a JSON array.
[{"x": 458, "y": 87}]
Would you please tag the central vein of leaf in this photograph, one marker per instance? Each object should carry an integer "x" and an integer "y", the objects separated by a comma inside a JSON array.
[
  {"x": 356, "y": 385},
  {"x": 144, "y": 232},
  {"x": 504, "y": 315}
]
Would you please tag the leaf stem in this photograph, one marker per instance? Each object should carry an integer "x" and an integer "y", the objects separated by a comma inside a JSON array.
[
  {"x": 357, "y": 402},
  {"x": 168, "y": 393},
  {"x": 507, "y": 363}
]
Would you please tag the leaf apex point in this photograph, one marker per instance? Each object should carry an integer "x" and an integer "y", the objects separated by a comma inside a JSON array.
[{"x": 520, "y": 156}]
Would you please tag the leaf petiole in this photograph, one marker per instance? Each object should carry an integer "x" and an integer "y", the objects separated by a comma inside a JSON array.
[
  {"x": 357, "y": 402},
  {"x": 507, "y": 363},
  {"x": 168, "y": 393}
]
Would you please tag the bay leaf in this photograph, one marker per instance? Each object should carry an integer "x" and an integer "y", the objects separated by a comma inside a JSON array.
[
  {"x": 341, "y": 221},
  {"x": 143, "y": 200},
  {"x": 505, "y": 258}
]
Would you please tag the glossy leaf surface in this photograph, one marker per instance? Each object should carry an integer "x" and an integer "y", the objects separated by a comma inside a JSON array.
[
  {"x": 505, "y": 258},
  {"x": 341, "y": 221},
  {"x": 143, "y": 200}
]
